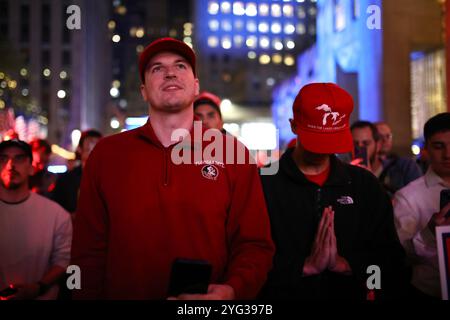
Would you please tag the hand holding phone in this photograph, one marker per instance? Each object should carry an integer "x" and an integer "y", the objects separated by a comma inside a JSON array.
[
  {"x": 361, "y": 153},
  {"x": 9, "y": 291},
  {"x": 189, "y": 276}
]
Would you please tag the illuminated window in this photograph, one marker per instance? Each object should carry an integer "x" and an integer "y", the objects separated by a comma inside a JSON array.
[
  {"x": 264, "y": 42},
  {"x": 356, "y": 9},
  {"x": 263, "y": 10},
  {"x": 226, "y": 42},
  {"x": 251, "y": 42},
  {"x": 251, "y": 9},
  {"x": 226, "y": 7},
  {"x": 238, "y": 9},
  {"x": 213, "y": 42},
  {"x": 300, "y": 28},
  {"x": 238, "y": 41},
  {"x": 312, "y": 11},
  {"x": 288, "y": 10},
  {"x": 276, "y": 27},
  {"x": 213, "y": 7},
  {"x": 213, "y": 25},
  {"x": 264, "y": 59},
  {"x": 289, "y": 60},
  {"x": 277, "y": 58},
  {"x": 140, "y": 32},
  {"x": 238, "y": 25},
  {"x": 301, "y": 12},
  {"x": 251, "y": 26},
  {"x": 251, "y": 55},
  {"x": 290, "y": 44},
  {"x": 270, "y": 81},
  {"x": 226, "y": 25},
  {"x": 289, "y": 28},
  {"x": 339, "y": 16},
  {"x": 263, "y": 27},
  {"x": 276, "y": 10},
  {"x": 277, "y": 44}
]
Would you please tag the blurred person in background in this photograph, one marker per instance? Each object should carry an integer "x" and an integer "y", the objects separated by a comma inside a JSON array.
[
  {"x": 207, "y": 108},
  {"x": 42, "y": 181},
  {"x": 67, "y": 186},
  {"x": 392, "y": 171}
]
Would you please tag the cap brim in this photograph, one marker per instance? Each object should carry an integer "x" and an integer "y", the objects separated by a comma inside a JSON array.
[{"x": 326, "y": 143}]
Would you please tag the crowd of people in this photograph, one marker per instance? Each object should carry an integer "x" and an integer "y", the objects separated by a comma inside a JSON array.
[{"x": 309, "y": 231}]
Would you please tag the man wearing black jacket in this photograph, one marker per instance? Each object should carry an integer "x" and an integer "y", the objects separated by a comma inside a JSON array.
[{"x": 330, "y": 221}]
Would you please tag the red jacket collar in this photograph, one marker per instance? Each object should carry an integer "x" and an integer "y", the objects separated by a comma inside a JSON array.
[{"x": 147, "y": 132}]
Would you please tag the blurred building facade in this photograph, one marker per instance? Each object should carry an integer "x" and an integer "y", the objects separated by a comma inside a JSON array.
[
  {"x": 62, "y": 71},
  {"x": 387, "y": 54}
]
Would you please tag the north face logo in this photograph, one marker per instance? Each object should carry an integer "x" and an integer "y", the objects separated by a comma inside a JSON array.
[
  {"x": 327, "y": 113},
  {"x": 345, "y": 200}
]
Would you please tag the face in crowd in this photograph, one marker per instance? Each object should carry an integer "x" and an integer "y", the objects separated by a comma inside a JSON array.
[
  {"x": 438, "y": 151},
  {"x": 40, "y": 158},
  {"x": 15, "y": 168},
  {"x": 170, "y": 84},
  {"x": 209, "y": 116},
  {"x": 363, "y": 137},
  {"x": 385, "y": 135},
  {"x": 86, "y": 148}
]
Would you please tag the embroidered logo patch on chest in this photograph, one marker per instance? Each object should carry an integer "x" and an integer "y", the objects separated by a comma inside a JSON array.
[
  {"x": 210, "y": 172},
  {"x": 345, "y": 200}
]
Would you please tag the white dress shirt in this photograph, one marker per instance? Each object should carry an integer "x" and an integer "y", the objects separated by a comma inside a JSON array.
[{"x": 413, "y": 207}]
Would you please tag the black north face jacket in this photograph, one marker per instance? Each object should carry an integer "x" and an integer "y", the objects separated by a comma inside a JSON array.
[{"x": 364, "y": 228}]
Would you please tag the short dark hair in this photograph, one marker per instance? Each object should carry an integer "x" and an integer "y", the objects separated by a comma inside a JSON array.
[
  {"x": 91, "y": 133},
  {"x": 438, "y": 123},
  {"x": 366, "y": 124},
  {"x": 37, "y": 144},
  {"x": 17, "y": 144}
]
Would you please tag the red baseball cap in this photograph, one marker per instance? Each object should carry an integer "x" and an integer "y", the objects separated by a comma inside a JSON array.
[
  {"x": 322, "y": 114},
  {"x": 208, "y": 96},
  {"x": 165, "y": 44}
]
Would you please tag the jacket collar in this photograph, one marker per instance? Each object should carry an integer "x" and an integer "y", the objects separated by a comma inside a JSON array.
[
  {"x": 193, "y": 140},
  {"x": 339, "y": 174}
]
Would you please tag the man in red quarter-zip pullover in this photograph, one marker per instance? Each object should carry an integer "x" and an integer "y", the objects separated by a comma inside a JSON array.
[{"x": 139, "y": 210}]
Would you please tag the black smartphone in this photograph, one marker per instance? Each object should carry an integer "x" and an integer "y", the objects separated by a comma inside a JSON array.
[
  {"x": 7, "y": 292},
  {"x": 445, "y": 199},
  {"x": 189, "y": 276},
  {"x": 361, "y": 153}
]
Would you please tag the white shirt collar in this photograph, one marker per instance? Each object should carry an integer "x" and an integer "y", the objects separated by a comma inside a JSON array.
[{"x": 432, "y": 179}]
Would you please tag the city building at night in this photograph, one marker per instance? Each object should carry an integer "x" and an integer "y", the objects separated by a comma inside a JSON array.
[
  {"x": 395, "y": 73},
  {"x": 62, "y": 71}
]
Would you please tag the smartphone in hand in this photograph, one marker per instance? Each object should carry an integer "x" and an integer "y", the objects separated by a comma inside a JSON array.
[
  {"x": 7, "y": 292},
  {"x": 361, "y": 153},
  {"x": 189, "y": 276},
  {"x": 444, "y": 200}
]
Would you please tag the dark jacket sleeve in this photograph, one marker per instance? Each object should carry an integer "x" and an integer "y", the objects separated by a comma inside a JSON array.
[{"x": 379, "y": 244}]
